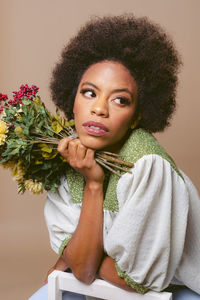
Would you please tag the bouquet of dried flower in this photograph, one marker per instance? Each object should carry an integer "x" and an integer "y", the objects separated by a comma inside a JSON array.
[{"x": 29, "y": 135}]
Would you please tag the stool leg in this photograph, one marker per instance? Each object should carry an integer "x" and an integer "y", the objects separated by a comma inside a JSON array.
[{"x": 54, "y": 292}]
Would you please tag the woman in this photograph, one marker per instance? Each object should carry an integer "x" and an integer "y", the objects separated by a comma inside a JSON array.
[{"x": 118, "y": 78}]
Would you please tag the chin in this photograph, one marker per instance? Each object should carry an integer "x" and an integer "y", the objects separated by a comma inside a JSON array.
[
  {"x": 94, "y": 146},
  {"x": 93, "y": 143}
]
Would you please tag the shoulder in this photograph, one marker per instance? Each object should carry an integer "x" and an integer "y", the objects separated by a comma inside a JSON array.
[
  {"x": 152, "y": 177},
  {"x": 143, "y": 144},
  {"x": 152, "y": 166}
]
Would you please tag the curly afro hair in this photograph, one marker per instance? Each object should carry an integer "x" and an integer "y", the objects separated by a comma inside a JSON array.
[{"x": 141, "y": 46}]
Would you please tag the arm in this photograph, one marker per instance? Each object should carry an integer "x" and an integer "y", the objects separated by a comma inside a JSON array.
[
  {"x": 109, "y": 273},
  {"x": 84, "y": 252},
  {"x": 147, "y": 237}
]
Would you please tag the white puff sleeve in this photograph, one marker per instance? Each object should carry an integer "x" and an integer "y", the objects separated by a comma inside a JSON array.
[
  {"x": 147, "y": 237},
  {"x": 61, "y": 216}
]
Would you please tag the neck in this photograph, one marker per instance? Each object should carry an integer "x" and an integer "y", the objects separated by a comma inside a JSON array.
[{"x": 115, "y": 148}]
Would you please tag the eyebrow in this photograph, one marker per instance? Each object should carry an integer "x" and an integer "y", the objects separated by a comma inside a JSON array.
[
  {"x": 113, "y": 91},
  {"x": 89, "y": 83}
]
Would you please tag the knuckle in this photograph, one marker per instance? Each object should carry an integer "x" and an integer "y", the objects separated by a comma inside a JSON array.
[
  {"x": 71, "y": 162},
  {"x": 60, "y": 149},
  {"x": 63, "y": 144},
  {"x": 79, "y": 165},
  {"x": 81, "y": 147},
  {"x": 72, "y": 142},
  {"x": 63, "y": 152},
  {"x": 90, "y": 153}
]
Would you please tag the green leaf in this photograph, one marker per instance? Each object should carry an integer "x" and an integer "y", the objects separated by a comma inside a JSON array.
[
  {"x": 26, "y": 101},
  {"x": 26, "y": 131}
]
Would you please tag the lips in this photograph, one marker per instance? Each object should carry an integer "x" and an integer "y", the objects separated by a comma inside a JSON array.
[{"x": 95, "y": 128}]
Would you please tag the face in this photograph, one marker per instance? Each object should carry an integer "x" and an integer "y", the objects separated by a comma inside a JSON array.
[{"x": 105, "y": 106}]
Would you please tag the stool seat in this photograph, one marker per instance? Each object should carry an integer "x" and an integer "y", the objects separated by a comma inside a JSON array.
[{"x": 59, "y": 281}]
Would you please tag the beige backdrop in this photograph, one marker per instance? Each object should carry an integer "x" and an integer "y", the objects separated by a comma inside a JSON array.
[{"x": 32, "y": 36}]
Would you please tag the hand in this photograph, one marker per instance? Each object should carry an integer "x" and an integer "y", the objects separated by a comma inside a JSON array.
[
  {"x": 81, "y": 159},
  {"x": 59, "y": 265},
  {"x": 48, "y": 273}
]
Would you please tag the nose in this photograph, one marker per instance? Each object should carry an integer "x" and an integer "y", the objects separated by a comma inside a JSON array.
[{"x": 100, "y": 107}]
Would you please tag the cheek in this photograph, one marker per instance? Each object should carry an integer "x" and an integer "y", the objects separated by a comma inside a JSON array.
[
  {"x": 80, "y": 115},
  {"x": 123, "y": 122},
  {"x": 78, "y": 112},
  {"x": 80, "y": 108}
]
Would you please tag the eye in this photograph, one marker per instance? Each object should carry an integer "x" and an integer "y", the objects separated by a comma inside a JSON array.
[
  {"x": 88, "y": 93},
  {"x": 122, "y": 101}
]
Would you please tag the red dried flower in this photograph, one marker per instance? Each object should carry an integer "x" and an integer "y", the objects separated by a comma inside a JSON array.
[
  {"x": 3, "y": 97},
  {"x": 25, "y": 92}
]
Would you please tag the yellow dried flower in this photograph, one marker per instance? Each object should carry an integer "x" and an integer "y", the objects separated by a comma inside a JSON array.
[
  {"x": 18, "y": 130},
  {"x": 2, "y": 139},
  {"x": 18, "y": 172},
  {"x": 34, "y": 187},
  {"x": 20, "y": 118},
  {"x": 3, "y": 127}
]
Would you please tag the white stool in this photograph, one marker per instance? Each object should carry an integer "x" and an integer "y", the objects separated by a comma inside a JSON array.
[{"x": 59, "y": 281}]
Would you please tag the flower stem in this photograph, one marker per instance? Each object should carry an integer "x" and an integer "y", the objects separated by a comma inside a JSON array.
[{"x": 115, "y": 160}]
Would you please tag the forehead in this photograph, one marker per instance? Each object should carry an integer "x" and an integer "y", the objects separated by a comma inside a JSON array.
[{"x": 109, "y": 73}]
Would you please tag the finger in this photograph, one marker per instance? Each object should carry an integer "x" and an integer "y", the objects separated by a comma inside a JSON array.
[
  {"x": 89, "y": 158},
  {"x": 81, "y": 152},
  {"x": 72, "y": 149},
  {"x": 63, "y": 146},
  {"x": 90, "y": 154}
]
